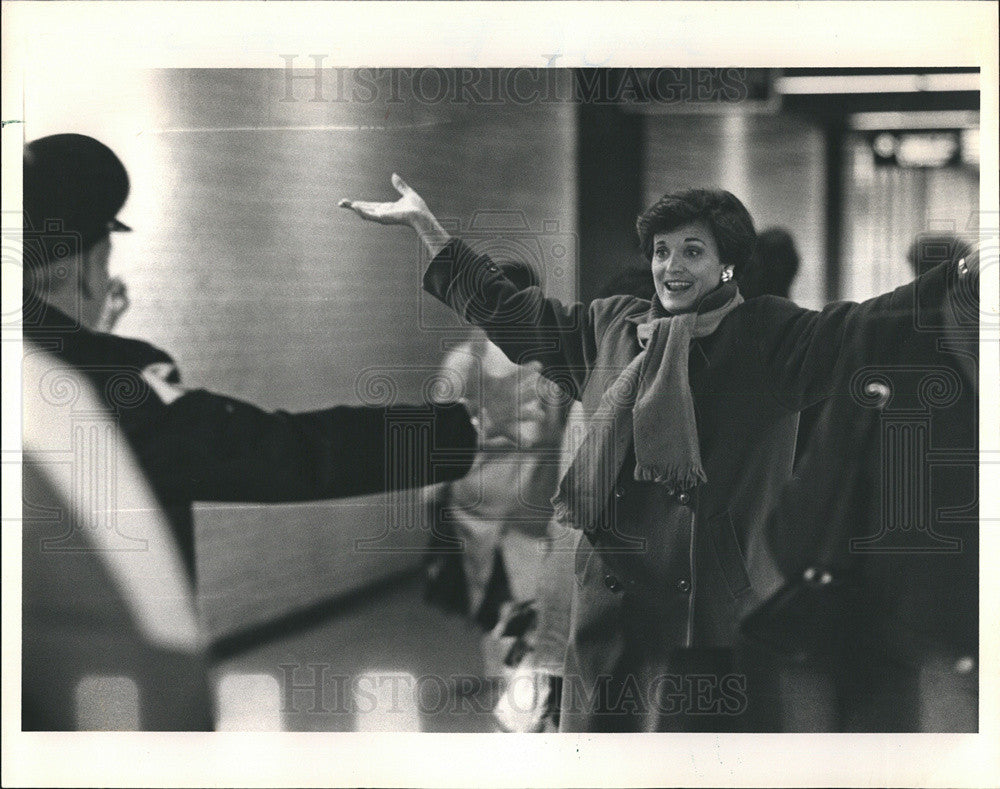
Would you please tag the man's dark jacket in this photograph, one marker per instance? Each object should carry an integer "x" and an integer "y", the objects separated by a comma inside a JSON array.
[{"x": 209, "y": 447}]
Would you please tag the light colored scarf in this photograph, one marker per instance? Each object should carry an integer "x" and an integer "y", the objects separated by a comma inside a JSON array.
[{"x": 649, "y": 405}]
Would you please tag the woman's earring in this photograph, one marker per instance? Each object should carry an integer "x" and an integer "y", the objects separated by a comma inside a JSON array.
[{"x": 727, "y": 274}]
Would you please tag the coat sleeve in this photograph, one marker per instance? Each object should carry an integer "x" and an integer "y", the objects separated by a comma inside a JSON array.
[
  {"x": 525, "y": 324},
  {"x": 208, "y": 447},
  {"x": 806, "y": 355}
]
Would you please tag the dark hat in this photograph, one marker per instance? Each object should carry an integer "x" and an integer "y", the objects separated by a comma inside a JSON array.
[{"x": 73, "y": 187}]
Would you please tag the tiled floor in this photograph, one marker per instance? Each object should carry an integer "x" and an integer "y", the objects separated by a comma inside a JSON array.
[{"x": 391, "y": 663}]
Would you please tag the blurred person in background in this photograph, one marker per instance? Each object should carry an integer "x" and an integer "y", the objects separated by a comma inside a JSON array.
[
  {"x": 670, "y": 507},
  {"x": 774, "y": 265},
  {"x": 191, "y": 444},
  {"x": 491, "y": 527},
  {"x": 631, "y": 281},
  {"x": 771, "y": 272}
]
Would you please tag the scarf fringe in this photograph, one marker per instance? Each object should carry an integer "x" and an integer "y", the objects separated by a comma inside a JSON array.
[{"x": 674, "y": 477}]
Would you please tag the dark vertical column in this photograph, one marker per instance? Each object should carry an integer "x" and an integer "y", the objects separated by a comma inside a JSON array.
[
  {"x": 834, "y": 134},
  {"x": 609, "y": 183}
]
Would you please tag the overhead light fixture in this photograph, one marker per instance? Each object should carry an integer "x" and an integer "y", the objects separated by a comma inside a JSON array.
[
  {"x": 916, "y": 149},
  {"x": 879, "y": 83},
  {"x": 929, "y": 119}
]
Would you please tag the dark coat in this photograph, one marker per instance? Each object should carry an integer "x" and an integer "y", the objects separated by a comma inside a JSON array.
[
  {"x": 662, "y": 589},
  {"x": 884, "y": 509},
  {"x": 209, "y": 447}
]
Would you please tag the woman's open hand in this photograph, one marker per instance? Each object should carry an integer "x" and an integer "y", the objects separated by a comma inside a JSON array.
[{"x": 410, "y": 209}]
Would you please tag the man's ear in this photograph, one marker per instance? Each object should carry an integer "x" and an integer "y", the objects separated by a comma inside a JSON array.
[
  {"x": 93, "y": 264},
  {"x": 87, "y": 273}
]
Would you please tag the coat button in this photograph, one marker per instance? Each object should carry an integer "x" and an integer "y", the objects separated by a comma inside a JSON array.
[
  {"x": 684, "y": 497},
  {"x": 612, "y": 583},
  {"x": 817, "y": 576},
  {"x": 493, "y": 267},
  {"x": 619, "y": 491},
  {"x": 684, "y": 585}
]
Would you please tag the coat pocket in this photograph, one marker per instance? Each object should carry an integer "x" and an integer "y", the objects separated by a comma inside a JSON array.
[{"x": 728, "y": 554}]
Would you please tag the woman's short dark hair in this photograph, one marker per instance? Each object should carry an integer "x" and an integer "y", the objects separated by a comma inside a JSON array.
[{"x": 725, "y": 215}]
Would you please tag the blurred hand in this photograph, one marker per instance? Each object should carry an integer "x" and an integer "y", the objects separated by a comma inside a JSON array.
[
  {"x": 512, "y": 408},
  {"x": 116, "y": 302},
  {"x": 529, "y": 701}
]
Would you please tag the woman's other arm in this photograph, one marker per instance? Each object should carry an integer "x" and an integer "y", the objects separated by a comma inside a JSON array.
[{"x": 808, "y": 355}]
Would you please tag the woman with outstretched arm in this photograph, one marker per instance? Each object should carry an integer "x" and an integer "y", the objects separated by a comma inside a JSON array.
[{"x": 693, "y": 402}]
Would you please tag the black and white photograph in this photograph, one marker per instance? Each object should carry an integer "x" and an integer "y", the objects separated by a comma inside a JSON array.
[{"x": 567, "y": 394}]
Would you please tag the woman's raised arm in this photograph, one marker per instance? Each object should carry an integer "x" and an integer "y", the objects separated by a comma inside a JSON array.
[{"x": 525, "y": 324}]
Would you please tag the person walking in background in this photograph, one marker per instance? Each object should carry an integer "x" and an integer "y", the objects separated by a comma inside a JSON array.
[
  {"x": 532, "y": 698},
  {"x": 499, "y": 512},
  {"x": 774, "y": 265}
]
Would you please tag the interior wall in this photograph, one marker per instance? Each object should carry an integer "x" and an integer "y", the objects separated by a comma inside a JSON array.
[
  {"x": 242, "y": 266},
  {"x": 773, "y": 162},
  {"x": 888, "y": 207}
]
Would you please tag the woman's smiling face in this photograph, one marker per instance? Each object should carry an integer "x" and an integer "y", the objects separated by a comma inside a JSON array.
[{"x": 685, "y": 266}]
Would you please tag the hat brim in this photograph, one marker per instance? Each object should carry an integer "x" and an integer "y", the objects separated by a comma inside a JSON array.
[{"x": 116, "y": 226}]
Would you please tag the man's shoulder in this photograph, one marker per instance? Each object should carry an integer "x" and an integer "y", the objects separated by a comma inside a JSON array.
[{"x": 97, "y": 351}]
